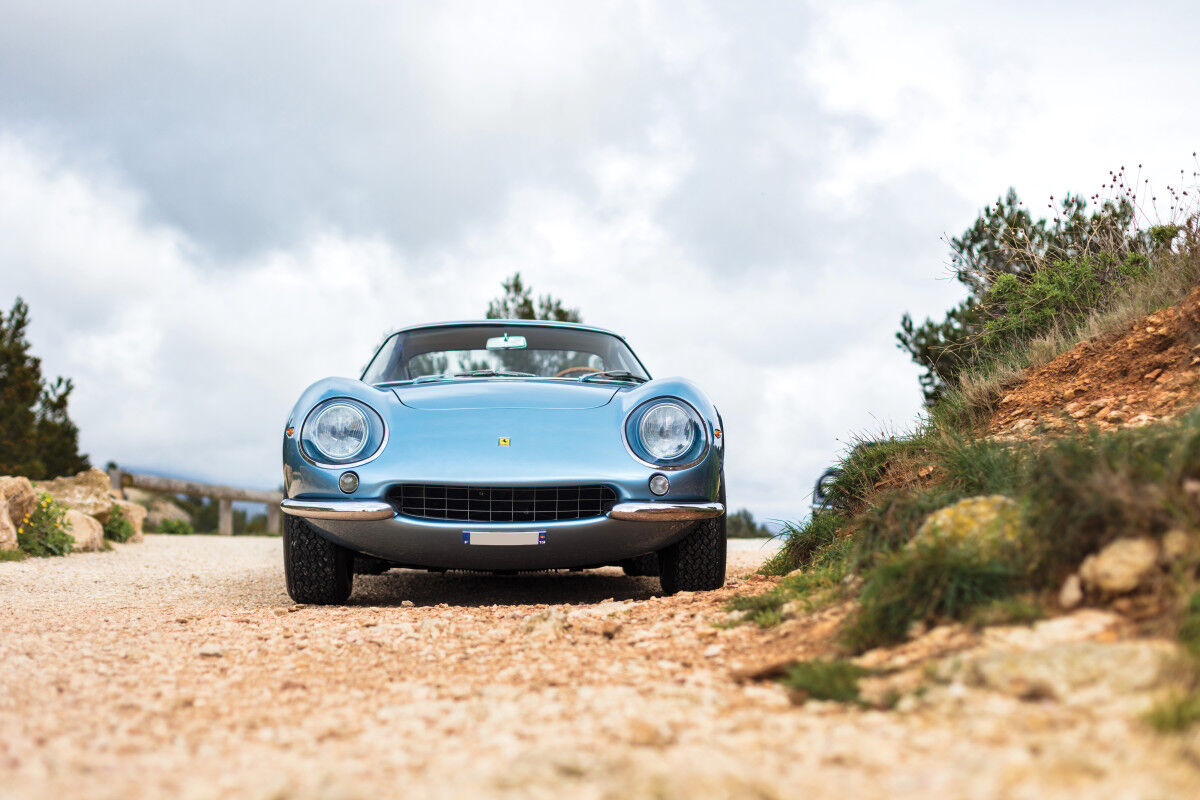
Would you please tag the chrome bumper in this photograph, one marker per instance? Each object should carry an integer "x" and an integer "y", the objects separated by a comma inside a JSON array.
[
  {"x": 338, "y": 509},
  {"x": 374, "y": 509},
  {"x": 666, "y": 512}
]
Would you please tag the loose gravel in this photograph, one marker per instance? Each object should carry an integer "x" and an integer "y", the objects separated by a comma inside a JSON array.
[{"x": 179, "y": 668}]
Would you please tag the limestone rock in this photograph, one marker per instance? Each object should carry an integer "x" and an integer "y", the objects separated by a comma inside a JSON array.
[
  {"x": 87, "y": 492},
  {"x": 1177, "y": 545},
  {"x": 160, "y": 508},
  {"x": 136, "y": 514},
  {"x": 87, "y": 531},
  {"x": 18, "y": 493},
  {"x": 993, "y": 522},
  {"x": 1071, "y": 594},
  {"x": 1121, "y": 566},
  {"x": 1079, "y": 672},
  {"x": 8, "y": 531}
]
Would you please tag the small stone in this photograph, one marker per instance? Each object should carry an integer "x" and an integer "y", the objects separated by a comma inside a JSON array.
[
  {"x": 713, "y": 650},
  {"x": 1115, "y": 416},
  {"x": 407, "y": 604},
  {"x": 648, "y": 734},
  {"x": 1121, "y": 566},
  {"x": 211, "y": 651},
  {"x": 1071, "y": 593},
  {"x": 1176, "y": 545},
  {"x": 1152, "y": 374}
]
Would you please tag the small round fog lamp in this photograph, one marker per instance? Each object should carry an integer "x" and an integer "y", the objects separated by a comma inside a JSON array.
[
  {"x": 659, "y": 484},
  {"x": 348, "y": 482}
]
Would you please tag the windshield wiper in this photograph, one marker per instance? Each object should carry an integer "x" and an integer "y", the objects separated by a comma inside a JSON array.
[
  {"x": 494, "y": 373},
  {"x": 612, "y": 375}
]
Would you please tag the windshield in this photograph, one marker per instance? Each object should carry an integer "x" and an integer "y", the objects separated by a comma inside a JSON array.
[{"x": 491, "y": 350}]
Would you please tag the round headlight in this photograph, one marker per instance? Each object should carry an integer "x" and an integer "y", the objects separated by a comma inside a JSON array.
[
  {"x": 666, "y": 431},
  {"x": 340, "y": 431}
]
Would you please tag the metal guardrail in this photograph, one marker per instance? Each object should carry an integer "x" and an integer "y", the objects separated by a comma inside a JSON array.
[{"x": 225, "y": 495}]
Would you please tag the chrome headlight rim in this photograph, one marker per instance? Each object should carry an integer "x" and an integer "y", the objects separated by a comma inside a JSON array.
[
  {"x": 690, "y": 457},
  {"x": 377, "y": 435}
]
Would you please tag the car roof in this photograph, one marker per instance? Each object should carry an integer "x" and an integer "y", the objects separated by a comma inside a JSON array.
[{"x": 537, "y": 323}]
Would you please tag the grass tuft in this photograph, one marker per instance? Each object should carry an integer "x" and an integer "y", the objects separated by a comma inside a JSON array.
[
  {"x": 934, "y": 580},
  {"x": 826, "y": 680},
  {"x": 1177, "y": 713}
]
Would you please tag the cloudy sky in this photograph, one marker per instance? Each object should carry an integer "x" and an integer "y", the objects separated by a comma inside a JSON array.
[{"x": 210, "y": 205}]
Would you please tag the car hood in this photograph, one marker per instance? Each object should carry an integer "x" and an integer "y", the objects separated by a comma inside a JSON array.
[{"x": 497, "y": 393}]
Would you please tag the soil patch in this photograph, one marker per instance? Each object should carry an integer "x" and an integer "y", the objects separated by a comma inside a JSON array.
[{"x": 1146, "y": 371}]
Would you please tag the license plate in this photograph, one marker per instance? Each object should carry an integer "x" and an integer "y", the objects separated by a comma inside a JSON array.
[{"x": 498, "y": 538}]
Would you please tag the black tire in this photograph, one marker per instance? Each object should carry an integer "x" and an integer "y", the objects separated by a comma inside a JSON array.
[
  {"x": 641, "y": 566},
  {"x": 317, "y": 570},
  {"x": 696, "y": 563}
]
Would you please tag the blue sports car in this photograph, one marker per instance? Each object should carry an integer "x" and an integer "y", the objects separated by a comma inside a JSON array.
[{"x": 502, "y": 446}]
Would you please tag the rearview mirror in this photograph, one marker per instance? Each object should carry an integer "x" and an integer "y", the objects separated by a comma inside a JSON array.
[{"x": 506, "y": 342}]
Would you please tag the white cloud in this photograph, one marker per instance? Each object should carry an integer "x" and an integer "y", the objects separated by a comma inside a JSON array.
[{"x": 207, "y": 215}]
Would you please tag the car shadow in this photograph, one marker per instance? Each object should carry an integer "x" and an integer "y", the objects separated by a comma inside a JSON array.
[{"x": 466, "y": 589}]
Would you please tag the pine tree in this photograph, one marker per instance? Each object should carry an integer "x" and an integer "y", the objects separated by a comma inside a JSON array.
[
  {"x": 517, "y": 303},
  {"x": 37, "y": 437}
]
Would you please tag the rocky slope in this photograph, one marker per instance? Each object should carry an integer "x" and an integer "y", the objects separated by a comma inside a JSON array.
[{"x": 1145, "y": 371}]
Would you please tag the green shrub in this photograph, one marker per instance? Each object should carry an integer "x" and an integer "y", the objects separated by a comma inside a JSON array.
[
  {"x": 45, "y": 530},
  {"x": 1189, "y": 627},
  {"x": 175, "y": 526},
  {"x": 117, "y": 527},
  {"x": 1060, "y": 293},
  {"x": 802, "y": 543},
  {"x": 1019, "y": 610},
  {"x": 931, "y": 581},
  {"x": 826, "y": 680},
  {"x": 739, "y": 525},
  {"x": 1177, "y": 713}
]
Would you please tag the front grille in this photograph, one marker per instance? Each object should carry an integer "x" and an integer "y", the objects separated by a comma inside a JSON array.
[{"x": 502, "y": 503}]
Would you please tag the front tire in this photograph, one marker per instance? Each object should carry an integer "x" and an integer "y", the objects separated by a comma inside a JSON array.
[
  {"x": 696, "y": 563},
  {"x": 317, "y": 570}
]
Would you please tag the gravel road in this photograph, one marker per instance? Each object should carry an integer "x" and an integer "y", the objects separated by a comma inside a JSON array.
[{"x": 179, "y": 668}]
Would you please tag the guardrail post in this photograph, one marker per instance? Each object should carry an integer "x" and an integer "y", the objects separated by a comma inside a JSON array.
[
  {"x": 273, "y": 518},
  {"x": 225, "y": 516},
  {"x": 116, "y": 479}
]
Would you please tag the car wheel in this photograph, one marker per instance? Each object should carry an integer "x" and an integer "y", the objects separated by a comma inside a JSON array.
[
  {"x": 641, "y": 566},
  {"x": 696, "y": 563},
  {"x": 317, "y": 570}
]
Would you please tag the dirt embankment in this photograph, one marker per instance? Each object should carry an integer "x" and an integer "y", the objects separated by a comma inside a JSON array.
[{"x": 1146, "y": 371}]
